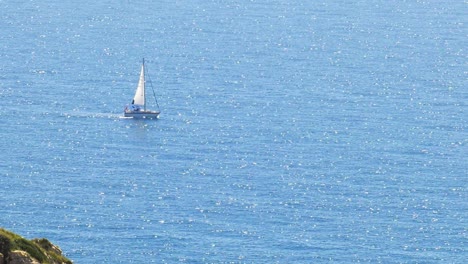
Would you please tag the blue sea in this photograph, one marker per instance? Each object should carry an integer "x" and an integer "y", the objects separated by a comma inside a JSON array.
[{"x": 290, "y": 131}]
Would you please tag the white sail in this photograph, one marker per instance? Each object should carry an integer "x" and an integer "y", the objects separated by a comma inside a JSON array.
[{"x": 139, "y": 98}]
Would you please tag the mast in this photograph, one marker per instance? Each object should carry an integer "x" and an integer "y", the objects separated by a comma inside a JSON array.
[{"x": 144, "y": 85}]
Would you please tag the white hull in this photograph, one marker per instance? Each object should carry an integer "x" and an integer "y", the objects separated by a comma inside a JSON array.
[{"x": 142, "y": 114}]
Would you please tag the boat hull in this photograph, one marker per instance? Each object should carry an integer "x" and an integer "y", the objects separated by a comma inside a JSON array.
[{"x": 142, "y": 114}]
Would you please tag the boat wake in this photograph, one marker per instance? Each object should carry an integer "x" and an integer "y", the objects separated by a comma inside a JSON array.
[
  {"x": 114, "y": 116},
  {"x": 91, "y": 115},
  {"x": 125, "y": 117}
]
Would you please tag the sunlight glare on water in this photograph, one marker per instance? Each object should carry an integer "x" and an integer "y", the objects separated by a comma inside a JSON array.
[{"x": 290, "y": 132}]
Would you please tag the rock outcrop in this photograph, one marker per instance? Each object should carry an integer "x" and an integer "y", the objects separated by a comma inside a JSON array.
[
  {"x": 15, "y": 249},
  {"x": 20, "y": 257}
]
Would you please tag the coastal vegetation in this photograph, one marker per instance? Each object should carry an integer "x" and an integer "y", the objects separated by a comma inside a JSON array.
[{"x": 14, "y": 247}]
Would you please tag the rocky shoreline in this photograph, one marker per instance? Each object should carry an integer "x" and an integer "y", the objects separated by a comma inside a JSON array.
[{"x": 14, "y": 249}]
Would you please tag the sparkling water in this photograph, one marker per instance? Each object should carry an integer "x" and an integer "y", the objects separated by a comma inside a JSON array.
[{"x": 290, "y": 131}]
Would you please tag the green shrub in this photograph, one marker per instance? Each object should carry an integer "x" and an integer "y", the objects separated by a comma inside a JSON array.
[
  {"x": 52, "y": 252},
  {"x": 6, "y": 238},
  {"x": 43, "y": 243},
  {"x": 33, "y": 249}
]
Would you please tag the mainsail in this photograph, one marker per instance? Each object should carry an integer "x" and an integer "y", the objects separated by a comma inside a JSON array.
[{"x": 139, "y": 98}]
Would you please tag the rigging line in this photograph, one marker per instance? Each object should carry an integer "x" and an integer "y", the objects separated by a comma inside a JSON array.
[{"x": 152, "y": 89}]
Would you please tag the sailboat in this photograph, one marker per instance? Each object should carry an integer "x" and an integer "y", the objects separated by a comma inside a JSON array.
[{"x": 137, "y": 109}]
